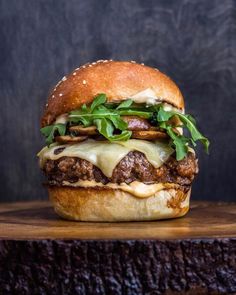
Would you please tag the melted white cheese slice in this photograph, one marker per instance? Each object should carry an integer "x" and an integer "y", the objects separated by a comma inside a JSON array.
[{"x": 106, "y": 155}]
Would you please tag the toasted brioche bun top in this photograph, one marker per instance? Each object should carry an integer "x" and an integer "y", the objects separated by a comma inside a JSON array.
[{"x": 119, "y": 80}]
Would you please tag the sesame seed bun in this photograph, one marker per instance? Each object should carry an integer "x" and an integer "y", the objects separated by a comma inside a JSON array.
[
  {"x": 119, "y": 80},
  {"x": 99, "y": 204}
]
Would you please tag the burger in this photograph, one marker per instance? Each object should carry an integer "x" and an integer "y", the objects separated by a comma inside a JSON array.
[{"x": 119, "y": 146}]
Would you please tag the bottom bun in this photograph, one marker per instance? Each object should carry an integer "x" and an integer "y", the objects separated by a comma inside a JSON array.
[{"x": 96, "y": 204}]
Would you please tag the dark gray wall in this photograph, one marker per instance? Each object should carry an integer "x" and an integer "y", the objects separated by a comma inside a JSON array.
[{"x": 192, "y": 41}]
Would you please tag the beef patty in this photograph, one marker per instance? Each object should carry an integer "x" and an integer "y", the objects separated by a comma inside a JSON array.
[{"x": 134, "y": 166}]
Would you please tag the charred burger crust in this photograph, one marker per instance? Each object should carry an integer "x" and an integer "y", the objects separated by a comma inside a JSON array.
[{"x": 133, "y": 167}]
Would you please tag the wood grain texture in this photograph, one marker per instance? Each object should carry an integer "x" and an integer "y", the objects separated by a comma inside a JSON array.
[
  {"x": 37, "y": 220},
  {"x": 40, "y": 254},
  {"x": 192, "y": 41}
]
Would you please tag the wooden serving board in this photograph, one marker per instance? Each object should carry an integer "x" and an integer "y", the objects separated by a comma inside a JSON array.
[{"x": 43, "y": 254}]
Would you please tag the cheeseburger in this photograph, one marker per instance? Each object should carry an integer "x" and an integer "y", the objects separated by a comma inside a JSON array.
[{"x": 119, "y": 146}]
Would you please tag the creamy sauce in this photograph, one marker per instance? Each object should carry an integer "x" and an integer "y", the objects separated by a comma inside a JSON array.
[
  {"x": 136, "y": 188},
  {"x": 62, "y": 119},
  {"x": 147, "y": 96}
]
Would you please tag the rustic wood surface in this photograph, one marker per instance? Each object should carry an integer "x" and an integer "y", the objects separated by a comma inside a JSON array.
[
  {"x": 43, "y": 254},
  {"x": 37, "y": 220}
]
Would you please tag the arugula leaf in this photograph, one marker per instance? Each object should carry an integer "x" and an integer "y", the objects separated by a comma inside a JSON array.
[
  {"x": 99, "y": 99},
  {"x": 123, "y": 136},
  {"x": 118, "y": 122},
  {"x": 181, "y": 142},
  {"x": 191, "y": 119},
  {"x": 131, "y": 106},
  {"x": 50, "y": 131},
  {"x": 163, "y": 115},
  {"x": 105, "y": 127},
  {"x": 188, "y": 121},
  {"x": 81, "y": 116},
  {"x": 135, "y": 112},
  {"x": 110, "y": 105},
  {"x": 84, "y": 108},
  {"x": 125, "y": 104},
  {"x": 108, "y": 119}
]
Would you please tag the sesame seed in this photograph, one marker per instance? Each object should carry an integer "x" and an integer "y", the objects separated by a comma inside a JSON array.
[
  {"x": 57, "y": 85},
  {"x": 64, "y": 78},
  {"x": 53, "y": 96},
  {"x": 46, "y": 105},
  {"x": 90, "y": 65},
  {"x": 142, "y": 64},
  {"x": 133, "y": 62},
  {"x": 84, "y": 82},
  {"x": 60, "y": 94},
  {"x": 74, "y": 73},
  {"x": 105, "y": 60},
  {"x": 93, "y": 63},
  {"x": 77, "y": 69},
  {"x": 83, "y": 67}
]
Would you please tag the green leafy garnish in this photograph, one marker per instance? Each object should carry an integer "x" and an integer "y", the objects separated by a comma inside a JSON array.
[
  {"x": 107, "y": 117},
  {"x": 125, "y": 104},
  {"x": 136, "y": 112},
  {"x": 190, "y": 123},
  {"x": 100, "y": 99},
  {"x": 50, "y": 131},
  {"x": 181, "y": 142},
  {"x": 118, "y": 122},
  {"x": 106, "y": 128},
  {"x": 163, "y": 116}
]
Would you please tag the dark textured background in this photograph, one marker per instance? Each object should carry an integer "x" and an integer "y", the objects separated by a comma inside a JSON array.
[{"x": 192, "y": 41}]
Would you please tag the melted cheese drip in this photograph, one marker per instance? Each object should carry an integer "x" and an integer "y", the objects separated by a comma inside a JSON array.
[
  {"x": 106, "y": 155},
  {"x": 136, "y": 188}
]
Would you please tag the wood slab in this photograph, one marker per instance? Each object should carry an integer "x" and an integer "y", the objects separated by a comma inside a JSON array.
[
  {"x": 37, "y": 220},
  {"x": 43, "y": 254}
]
